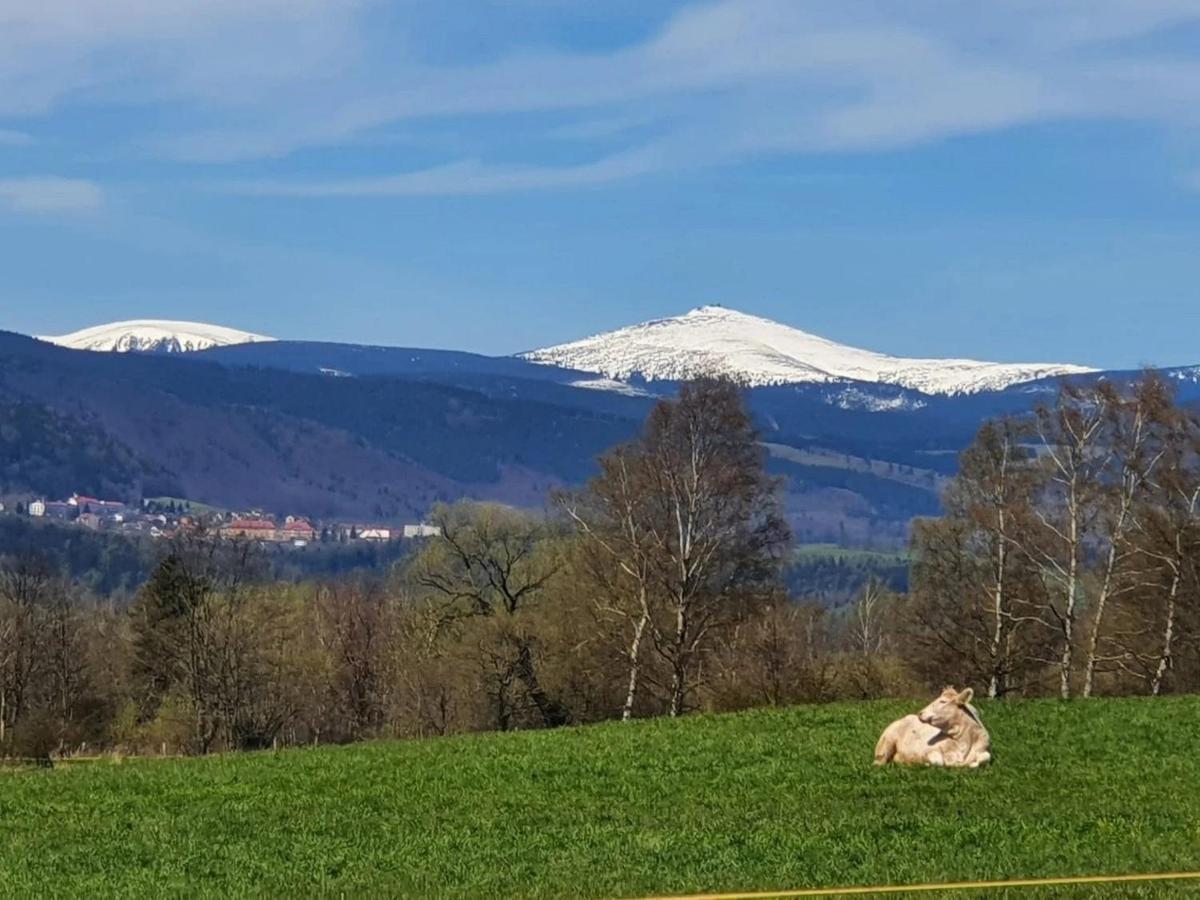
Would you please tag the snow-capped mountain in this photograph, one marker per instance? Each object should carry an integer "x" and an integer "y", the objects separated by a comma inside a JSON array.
[
  {"x": 154, "y": 336},
  {"x": 760, "y": 352}
]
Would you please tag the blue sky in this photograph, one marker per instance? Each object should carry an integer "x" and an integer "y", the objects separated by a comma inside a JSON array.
[{"x": 1017, "y": 180}]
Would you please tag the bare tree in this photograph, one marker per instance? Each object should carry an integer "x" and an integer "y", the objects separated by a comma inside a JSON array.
[
  {"x": 973, "y": 583},
  {"x": 63, "y": 656},
  {"x": 1168, "y": 540},
  {"x": 355, "y": 630},
  {"x": 485, "y": 559},
  {"x": 1075, "y": 455},
  {"x": 1135, "y": 448},
  {"x": 784, "y": 654},
  {"x": 618, "y": 546},
  {"x": 25, "y": 585},
  {"x": 867, "y": 626},
  {"x": 690, "y": 519},
  {"x": 488, "y": 561}
]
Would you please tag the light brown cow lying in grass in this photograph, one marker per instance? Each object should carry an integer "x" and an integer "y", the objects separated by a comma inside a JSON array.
[{"x": 945, "y": 733}]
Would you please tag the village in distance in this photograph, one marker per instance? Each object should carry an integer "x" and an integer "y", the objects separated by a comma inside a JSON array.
[{"x": 163, "y": 518}]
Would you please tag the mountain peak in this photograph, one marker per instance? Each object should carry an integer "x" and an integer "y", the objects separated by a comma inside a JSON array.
[
  {"x": 719, "y": 340},
  {"x": 154, "y": 336}
]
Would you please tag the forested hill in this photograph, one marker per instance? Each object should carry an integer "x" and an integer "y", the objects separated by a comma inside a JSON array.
[{"x": 383, "y": 448}]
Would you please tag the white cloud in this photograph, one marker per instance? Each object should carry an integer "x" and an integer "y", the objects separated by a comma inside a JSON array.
[
  {"x": 50, "y": 194},
  {"x": 716, "y": 83},
  {"x": 227, "y": 52},
  {"x": 9, "y": 138},
  {"x": 459, "y": 179}
]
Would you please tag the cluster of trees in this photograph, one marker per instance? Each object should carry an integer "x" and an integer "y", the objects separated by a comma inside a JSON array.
[
  {"x": 1068, "y": 558},
  {"x": 1066, "y": 564},
  {"x": 834, "y": 575},
  {"x": 113, "y": 566}
]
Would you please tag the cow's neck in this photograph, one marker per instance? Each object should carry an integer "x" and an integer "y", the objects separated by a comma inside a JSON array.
[
  {"x": 966, "y": 724},
  {"x": 964, "y": 728}
]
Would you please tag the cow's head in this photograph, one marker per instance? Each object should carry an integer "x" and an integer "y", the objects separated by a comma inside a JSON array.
[{"x": 947, "y": 709}]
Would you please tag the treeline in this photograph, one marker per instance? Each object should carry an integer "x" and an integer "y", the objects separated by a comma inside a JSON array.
[
  {"x": 112, "y": 566},
  {"x": 1069, "y": 546},
  {"x": 99, "y": 563},
  {"x": 1068, "y": 558},
  {"x": 835, "y": 576}
]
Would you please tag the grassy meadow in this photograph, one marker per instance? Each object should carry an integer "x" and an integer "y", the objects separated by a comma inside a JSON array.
[{"x": 763, "y": 800}]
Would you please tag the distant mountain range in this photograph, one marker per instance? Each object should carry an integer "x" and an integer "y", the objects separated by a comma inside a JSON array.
[
  {"x": 154, "y": 336},
  {"x": 863, "y": 441},
  {"x": 707, "y": 340}
]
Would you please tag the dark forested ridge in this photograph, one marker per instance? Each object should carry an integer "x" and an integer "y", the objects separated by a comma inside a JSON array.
[
  {"x": 60, "y": 453},
  {"x": 378, "y": 448}
]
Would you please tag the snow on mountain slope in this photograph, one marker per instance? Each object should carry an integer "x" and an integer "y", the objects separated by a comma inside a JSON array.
[
  {"x": 154, "y": 336},
  {"x": 716, "y": 340}
]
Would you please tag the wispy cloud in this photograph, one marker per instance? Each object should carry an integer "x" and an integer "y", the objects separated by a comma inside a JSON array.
[
  {"x": 713, "y": 83},
  {"x": 225, "y": 51},
  {"x": 459, "y": 179},
  {"x": 50, "y": 194},
  {"x": 10, "y": 138}
]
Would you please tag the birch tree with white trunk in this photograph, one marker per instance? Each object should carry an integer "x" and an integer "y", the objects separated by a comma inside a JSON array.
[
  {"x": 1074, "y": 452},
  {"x": 690, "y": 520},
  {"x": 1133, "y": 433}
]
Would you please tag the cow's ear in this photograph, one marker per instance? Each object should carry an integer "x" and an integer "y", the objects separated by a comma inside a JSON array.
[{"x": 965, "y": 696}]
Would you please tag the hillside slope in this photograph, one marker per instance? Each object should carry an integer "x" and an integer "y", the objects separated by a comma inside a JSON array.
[
  {"x": 373, "y": 448},
  {"x": 763, "y": 800}
]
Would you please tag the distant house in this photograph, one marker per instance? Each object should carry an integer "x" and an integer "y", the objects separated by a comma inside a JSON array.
[
  {"x": 298, "y": 531},
  {"x": 293, "y": 530},
  {"x": 95, "y": 505},
  {"x": 251, "y": 529},
  {"x": 37, "y": 508},
  {"x": 90, "y": 520},
  {"x": 421, "y": 531},
  {"x": 374, "y": 534}
]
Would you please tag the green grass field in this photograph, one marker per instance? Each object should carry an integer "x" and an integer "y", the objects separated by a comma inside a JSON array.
[{"x": 764, "y": 800}]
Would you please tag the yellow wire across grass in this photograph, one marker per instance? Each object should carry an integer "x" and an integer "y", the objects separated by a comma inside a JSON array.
[{"x": 945, "y": 886}]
